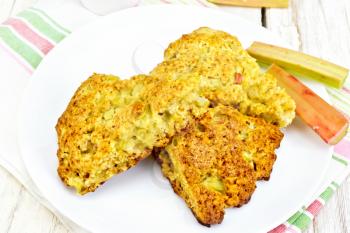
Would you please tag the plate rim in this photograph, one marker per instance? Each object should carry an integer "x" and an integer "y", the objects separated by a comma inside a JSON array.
[{"x": 21, "y": 109}]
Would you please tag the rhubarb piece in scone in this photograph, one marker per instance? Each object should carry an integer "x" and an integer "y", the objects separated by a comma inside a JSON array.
[
  {"x": 324, "y": 119},
  {"x": 299, "y": 63},
  {"x": 213, "y": 164}
]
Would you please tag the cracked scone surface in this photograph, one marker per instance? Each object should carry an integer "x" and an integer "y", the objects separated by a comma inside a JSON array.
[
  {"x": 213, "y": 164},
  {"x": 111, "y": 124},
  {"x": 219, "y": 57}
]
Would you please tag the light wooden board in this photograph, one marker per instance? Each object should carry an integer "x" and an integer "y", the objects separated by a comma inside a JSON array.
[
  {"x": 20, "y": 212},
  {"x": 317, "y": 27},
  {"x": 251, "y": 14},
  {"x": 307, "y": 25},
  {"x": 320, "y": 28}
]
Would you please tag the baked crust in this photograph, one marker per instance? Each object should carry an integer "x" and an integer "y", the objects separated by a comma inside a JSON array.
[
  {"x": 219, "y": 58},
  {"x": 207, "y": 164},
  {"x": 111, "y": 124}
]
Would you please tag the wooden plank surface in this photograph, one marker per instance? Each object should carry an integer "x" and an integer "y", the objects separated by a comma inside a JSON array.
[
  {"x": 21, "y": 213},
  {"x": 319, "y": 27},
  {"x": 250, "y": 14}
]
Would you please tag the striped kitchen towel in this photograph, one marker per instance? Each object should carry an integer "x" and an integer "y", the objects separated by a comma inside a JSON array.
[
  {"x": 36, "y": 27},
  {"x": 28, "y": 37}
]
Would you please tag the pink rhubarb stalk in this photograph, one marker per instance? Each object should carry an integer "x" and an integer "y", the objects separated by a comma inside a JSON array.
[{"x": 324, "y": 119}]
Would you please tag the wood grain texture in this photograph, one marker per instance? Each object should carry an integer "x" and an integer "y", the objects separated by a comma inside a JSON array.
[
  {"x": 251, "y": 14},
  {"x": 253, "y": 3},
  {"x": 10, "y": 193},
  {"x": 335, "y": 217},
  {"x": 317, "y": 27},
  {"x": 320, "y": 28},
  {"x": 20, "y": 212}
]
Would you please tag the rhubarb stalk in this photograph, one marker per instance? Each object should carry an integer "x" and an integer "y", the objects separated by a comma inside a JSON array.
[
  {"x": 324, "y": 119},
  {"x": 299, "y": 63}
]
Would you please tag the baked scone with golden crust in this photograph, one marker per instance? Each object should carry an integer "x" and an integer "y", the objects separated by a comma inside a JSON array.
[
  {"x": 219, "y": 58},
  {"x": 111, "y": 124},
  {"x": 214, "y": 163}
]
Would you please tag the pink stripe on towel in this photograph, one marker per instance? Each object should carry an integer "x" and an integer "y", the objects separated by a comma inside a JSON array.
[
  {"x": 19, "y": 61},
  {"x": 31, "y": 36},
  {"x": 343, "y": 148}
]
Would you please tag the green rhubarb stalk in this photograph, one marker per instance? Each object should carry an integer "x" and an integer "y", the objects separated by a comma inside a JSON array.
[
  {"x": 300, "y": 64},
  {"x": 254, "y": 3},
  {"x": 324, "y": 119}
]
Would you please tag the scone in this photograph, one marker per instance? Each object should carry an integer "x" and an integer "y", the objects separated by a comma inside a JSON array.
[
  {"x": 111, "y": 124},
  {"x": 219, "y": 58},
  {"x": 213, "y": 164}
]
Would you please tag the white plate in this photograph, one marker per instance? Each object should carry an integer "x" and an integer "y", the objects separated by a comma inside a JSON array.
[{"x": 141, "y": 200}]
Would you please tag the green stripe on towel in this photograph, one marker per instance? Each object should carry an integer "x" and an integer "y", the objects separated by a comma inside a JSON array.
[
  {"x": 50, "y": 19},
  {"x": 342, "y": 161},
  {"x": 302, "y": 222},
  {"x": 20, "y": 47},
  {"x": 335, "y": 184},
  {"x": 42, "y": 26},
  {"x": 295, "y": 216},
  {"x": 327, "y": 194}
]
